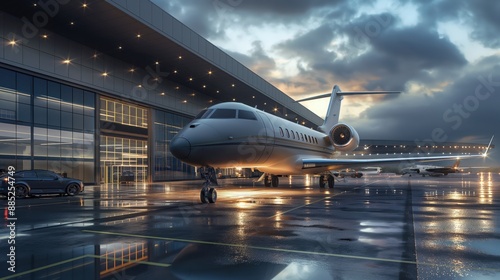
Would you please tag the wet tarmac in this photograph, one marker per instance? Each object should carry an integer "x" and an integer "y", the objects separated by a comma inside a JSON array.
[{"x": 378, "y": 227}]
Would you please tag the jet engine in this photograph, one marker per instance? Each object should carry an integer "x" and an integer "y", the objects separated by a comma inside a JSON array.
[{"x": 344, "y": 137}]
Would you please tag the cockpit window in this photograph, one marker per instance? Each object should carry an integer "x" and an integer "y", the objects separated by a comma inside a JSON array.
[
  {"x": 247, "y": 115},
  {"x": 204, "y": 114},
  {"x": 224, "y": 114}
]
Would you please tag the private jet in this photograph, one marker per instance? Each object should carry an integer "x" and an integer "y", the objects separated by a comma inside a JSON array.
[
  {"x": 432, "y": 170},
  {"x": 232, "y": 134}
]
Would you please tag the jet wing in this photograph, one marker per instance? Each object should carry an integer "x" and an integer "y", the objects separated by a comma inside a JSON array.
[{"x": 333, "y": 164}]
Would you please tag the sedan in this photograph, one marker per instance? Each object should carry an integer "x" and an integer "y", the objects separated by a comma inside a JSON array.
[{"x": 35, "y": 182}]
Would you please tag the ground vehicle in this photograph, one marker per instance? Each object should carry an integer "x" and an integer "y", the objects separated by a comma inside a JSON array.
[
  {"x": 349, "y": 173},
  {"x": 34, "y": 182}
]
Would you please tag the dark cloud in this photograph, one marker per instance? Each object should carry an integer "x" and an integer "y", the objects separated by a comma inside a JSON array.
[
  {"x": 464, "y": 107},
  {"x": 258, "y": 61},
  {"x": 485, "y": 21}
]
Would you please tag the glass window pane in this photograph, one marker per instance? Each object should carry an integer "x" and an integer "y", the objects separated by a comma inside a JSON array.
[
  {"x": 77, "y": 122},
  {"x": 24, "y": 88},
  {"x": 40, "y": 115},
  {"x": 54, "y": 118},
  {"x": 77, "y": 101},
  {"x": 66, "y": 120},
  {"x": 40, "y": 92},
  {"x": 88, "y": 123},
  {"x": 224, "y": 114},
  {"x": 23, "y": 112},
  {"x": 7, "y": 78},
  {"x": 243, "y": 114}
]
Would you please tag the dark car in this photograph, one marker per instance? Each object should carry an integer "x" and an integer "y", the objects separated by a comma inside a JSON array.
[{"x": 35, "y": 182}]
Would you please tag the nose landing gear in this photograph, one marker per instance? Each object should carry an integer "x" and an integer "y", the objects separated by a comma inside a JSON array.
[{"x": 208, "y": 194}]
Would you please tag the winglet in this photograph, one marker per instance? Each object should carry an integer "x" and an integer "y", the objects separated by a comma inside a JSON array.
[{"x": 488, "y": 148}]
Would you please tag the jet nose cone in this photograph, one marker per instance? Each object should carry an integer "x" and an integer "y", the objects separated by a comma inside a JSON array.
[{"x": 180, "y": 148}]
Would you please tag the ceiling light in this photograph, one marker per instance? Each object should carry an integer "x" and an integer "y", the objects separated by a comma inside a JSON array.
[
  {"x": 84, "y": 5},
  {"x": 162, "y": 93},
  {"x": 193, "y": 94},
  {"x": 180, "y": 57},
  {"x": 45, "y": 36},
  {"x": 67, "y": 61},
  {"x": 72, "y": 23},
  {"x": 177, "y": 88},
  {"x": 157, "y": 62},
  {"x": 175, "y": 71},
  {"x": 217, "y": 91},
  {"x": 184, "y": 101},
  {"x": 234, "y": 99},
  {"x": 119, "y": 47},
  {"x": 132, "y": 70},
  {"x": 138, "y": 35},
  {"x": 12, "y": 42},
  {"x": 104, "y": 74},
  {"x": 253, "y": 96},
  {"x": 190, "y": 79},
  {"x": 209, "y": 72},
  {"x": 204, "y": 86},
  {"x": 232, "y": 85}
]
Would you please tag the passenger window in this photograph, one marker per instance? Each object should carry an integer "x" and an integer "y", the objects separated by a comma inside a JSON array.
[
  {"x": 281, "y": 132},
  {"x": 204, "y": 114},
  {"x": 298, "y": 138},
  {"x": 293, "y": 134},
  {"x": 287, "y": 133},
  {"x": 223, "y": 114},
  {"x": 302, "y": 136},
  {"x": 247, "y": 115}
]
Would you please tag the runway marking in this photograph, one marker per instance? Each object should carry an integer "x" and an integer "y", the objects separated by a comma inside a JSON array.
[
  {"x": 82, "y": 257},
  {"x": 275, "y": 249},
  {"x": 321, "y": 199}
]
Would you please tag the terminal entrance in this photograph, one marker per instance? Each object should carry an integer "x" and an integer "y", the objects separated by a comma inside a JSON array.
[
  {"x": 124, "y": 174},
  {"x": 123, "y": 142},
  {"x": 123, "y": 160}
]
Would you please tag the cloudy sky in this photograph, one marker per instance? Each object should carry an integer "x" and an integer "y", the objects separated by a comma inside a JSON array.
[{"x": 443, "y": 54}]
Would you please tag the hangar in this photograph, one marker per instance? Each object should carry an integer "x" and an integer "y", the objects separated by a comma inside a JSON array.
[{"x": 97, "y": 89}]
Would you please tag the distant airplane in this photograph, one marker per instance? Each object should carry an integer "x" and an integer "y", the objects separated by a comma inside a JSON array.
[
  {"x": 233, "y": 134},
  {"x": 432, "y": 170}
]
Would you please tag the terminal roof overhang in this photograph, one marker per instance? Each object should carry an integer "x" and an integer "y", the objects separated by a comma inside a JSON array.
[{"x": 109, "y": 25}]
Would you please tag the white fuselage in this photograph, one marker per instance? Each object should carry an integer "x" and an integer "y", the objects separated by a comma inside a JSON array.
[{"x": 267, "y": 142}]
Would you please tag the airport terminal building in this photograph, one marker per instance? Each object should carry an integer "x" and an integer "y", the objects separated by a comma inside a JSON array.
[{"x": 94, "y": 90}]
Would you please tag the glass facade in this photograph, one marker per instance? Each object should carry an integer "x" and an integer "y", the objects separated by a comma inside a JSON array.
[
  {"x": 50, "y": 125},
  {"x": 46, "y": 125},
  {"x": 166, "y": 166}
]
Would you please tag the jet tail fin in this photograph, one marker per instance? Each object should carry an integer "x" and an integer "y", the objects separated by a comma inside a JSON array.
[{"x": 336, "y": 96}]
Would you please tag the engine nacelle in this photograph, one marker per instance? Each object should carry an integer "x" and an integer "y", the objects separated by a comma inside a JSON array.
[{"x": 344, "y": 137}]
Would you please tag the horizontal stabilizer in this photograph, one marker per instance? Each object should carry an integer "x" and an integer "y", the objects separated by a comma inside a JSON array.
[{"x": 344, "y": 93}]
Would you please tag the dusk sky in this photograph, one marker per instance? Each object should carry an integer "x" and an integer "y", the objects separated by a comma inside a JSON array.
[{"x": 444, "y": 56}]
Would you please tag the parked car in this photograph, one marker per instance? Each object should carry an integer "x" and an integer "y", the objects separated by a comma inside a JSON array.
[{"x": 35, "y": 182}]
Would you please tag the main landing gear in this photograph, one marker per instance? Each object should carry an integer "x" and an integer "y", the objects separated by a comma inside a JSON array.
[
  {"x": 329, "y": 179},
  {"x": 208, "y": 194},
  {"x": 271, "y": 180}
]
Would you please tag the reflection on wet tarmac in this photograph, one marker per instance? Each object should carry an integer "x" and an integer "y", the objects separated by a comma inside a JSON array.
[{"x": 386, "y": 226}]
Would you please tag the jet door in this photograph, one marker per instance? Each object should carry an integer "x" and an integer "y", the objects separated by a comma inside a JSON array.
[{"x": 266, "y": 137}]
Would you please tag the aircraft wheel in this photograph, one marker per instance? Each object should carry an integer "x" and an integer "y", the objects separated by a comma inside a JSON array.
[
  {"x": 203, "y": 196},
  {"x": 275, "y": 181},
  {"x": 331, "y": 181},
  {"x": 322, "y": 181},
  {"x": 212, "y": 195},
  {"x": 267, "y": 182}
]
